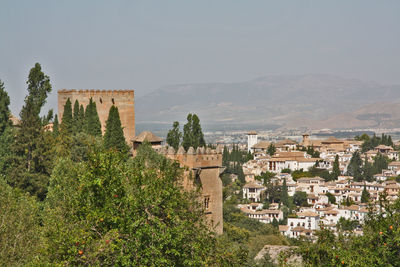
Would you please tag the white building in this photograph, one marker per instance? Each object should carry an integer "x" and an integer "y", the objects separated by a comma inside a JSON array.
[
  {"x": 251, "y": 140},
  {"x": 252, "y": 191}
]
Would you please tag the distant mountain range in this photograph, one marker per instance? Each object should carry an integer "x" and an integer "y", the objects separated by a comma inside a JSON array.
[{"x": 290, "y": 101}]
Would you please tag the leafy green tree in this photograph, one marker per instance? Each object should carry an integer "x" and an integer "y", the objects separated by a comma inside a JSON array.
[
  {"x": 365, "y": 195},
  {"x": 31, "y": 160},
  {"x": 6, "y": 141},
  {"x": 92, "y": 121},
  {"x": 20, "y": 226},
  {"x": 4, "y": 109},
  {"x": 300, "y": 198},
  {"x": 114, "y": 136},
  {"x": 110, "y": 212},
  {"x": 336, "y": 169},
  {"x": 174, "y": 136},
  {"x": 67, "y": 126},
  {"x": 271, "y": 149}
]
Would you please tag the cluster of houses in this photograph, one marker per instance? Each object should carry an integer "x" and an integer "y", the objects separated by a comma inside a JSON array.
[{"x": 321, "y": 211}]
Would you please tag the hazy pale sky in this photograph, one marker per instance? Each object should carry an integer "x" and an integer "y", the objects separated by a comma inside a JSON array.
[{"x": 144, "y": 45}]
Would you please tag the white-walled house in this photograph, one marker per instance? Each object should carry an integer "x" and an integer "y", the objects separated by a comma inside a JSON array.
[{"x": 252, "y": 191}]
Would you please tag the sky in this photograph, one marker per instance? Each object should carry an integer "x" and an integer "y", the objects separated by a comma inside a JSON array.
[{"x": 144, "y": 45}]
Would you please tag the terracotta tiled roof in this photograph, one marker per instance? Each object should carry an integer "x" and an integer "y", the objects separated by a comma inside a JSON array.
[{"x": 146, "y": 136}]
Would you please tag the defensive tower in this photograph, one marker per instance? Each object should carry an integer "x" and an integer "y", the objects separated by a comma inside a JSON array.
[{"x": 123, "y": 99}]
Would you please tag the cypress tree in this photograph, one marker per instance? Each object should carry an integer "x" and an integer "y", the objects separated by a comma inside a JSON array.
[
  {"x": 4, "y": 109},
  {"x": 55, "y": 126},
  {"x": 92, "y": 125},
  {"x": 67, "y": 119},
  {"x": 187, "y": 133},
  {"x": 197, "y": 133},
  {"x": 174, "y": 136},
  {"x": 365, "y": 195},
  {"x": 336, "y": 169},
  {"x": 284, "y": 194},
  {"x": 114, "y": 135},
  {"x": 76, "y": 118},
  {"x": 81, "y": 118}
]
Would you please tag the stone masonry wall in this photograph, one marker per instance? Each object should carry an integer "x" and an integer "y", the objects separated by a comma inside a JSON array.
[{"x": 123, "y": 99}]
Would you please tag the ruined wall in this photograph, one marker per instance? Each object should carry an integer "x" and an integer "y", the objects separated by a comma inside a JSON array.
[
  {"x": 207, "y": 164},
  {"x": 123, "y": 99}
]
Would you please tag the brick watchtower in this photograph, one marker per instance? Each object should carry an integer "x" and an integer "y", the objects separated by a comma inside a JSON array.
[{"x": 123, "y": 99}]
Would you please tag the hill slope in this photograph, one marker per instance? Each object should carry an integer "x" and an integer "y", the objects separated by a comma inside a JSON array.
[{"x": 297, "y": 100}]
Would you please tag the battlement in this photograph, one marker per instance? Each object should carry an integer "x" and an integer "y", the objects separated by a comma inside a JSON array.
[
  {"x": 97, "y": 91},
  {"x": 105, "y": 99},
  {"x": 199, "y": 158}
]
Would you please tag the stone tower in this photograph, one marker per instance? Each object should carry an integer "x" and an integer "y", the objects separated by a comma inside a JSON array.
[
  {"x": 251, "y": 140},
  {"x": 123, "y": 99}
]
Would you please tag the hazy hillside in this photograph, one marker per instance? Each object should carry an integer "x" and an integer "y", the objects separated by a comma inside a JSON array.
[{"x": 303, "y": 100}]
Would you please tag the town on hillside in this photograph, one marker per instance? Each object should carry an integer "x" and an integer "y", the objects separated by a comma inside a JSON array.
[{"x": 318, "y": 183}]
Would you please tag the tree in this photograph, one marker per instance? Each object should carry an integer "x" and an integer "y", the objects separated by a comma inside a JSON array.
[
  {"x": 174, "y": 136},
  {"x": 336, "y": 169},
  {"x": 92, "y": 121},
  {"x": 355, "y": 167},
  {"x": 380, "y": 163},
  {"x": 20, "y": 226},
  {"x": 67, "y": 126},
  {"x": 114, "y": 136},
  {"x": 56, "y": 126},
  {"x": 368, "y": 170},
  {"x": 192, "y": 133},
  {"x": 331, "y": 198},
  {"x": 4, "y": 109},
  {"x": 31, "y": 160},
  {"x": 110, "y": 212},
  {"x": 197, "y": 133},
  {"x": 271, "y": 149},
  {"x": 300, "y": 198},
  {"x": 284, "y": 194},
  {"x": 365, "y": 195},
  {"x": 78, "y": 117}
]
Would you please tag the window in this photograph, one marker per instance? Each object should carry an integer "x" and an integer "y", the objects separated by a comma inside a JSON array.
[
  {"x": 101, "y": 100},
  {"x": 206, "y": 202},
  {"x": 112, "y": 100}
]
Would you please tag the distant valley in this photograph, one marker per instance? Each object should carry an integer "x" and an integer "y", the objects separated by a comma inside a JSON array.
[{"x": 287, "y": 101}]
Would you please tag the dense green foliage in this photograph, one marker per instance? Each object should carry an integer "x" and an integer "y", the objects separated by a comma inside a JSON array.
[
  {"x": 174, "y": 136},
  {"x": 363, "y": 170},
  {"x": 374, "y": 141},
  {"x": 114, "y": 136},
  {"x": 20, "y": 226},
  {"x": 246, "y": 236},
  {"x": 233, "y": 161}
]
